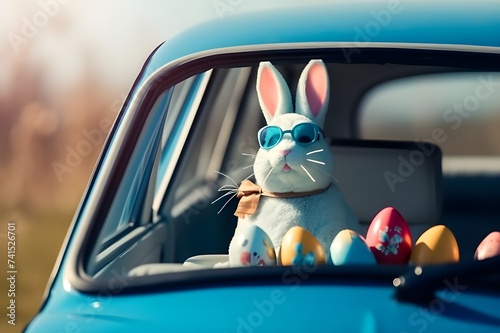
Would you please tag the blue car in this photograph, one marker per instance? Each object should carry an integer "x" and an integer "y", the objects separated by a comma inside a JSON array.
[{"x": 412, "y": 125}]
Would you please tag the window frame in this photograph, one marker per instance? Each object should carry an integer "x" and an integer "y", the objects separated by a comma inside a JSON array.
[{"x": 97, "y": 204}]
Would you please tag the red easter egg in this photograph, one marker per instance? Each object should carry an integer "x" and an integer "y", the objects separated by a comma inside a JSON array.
[
  {"x": 389, "y": 238},
  {"x": 489, "y": 247}
]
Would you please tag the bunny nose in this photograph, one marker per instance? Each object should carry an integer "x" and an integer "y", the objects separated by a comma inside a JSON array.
[{"x": 285, "y": 152}]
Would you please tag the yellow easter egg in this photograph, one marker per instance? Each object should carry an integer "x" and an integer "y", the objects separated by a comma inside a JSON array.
[
  {"x": 437, "y": 245},
  {"x": 299, "y": 247}
]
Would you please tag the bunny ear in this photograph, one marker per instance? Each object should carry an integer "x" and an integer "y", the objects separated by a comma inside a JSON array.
[
  {"x": 273, "y": 92},
  {"x": 313, "y": 92}
]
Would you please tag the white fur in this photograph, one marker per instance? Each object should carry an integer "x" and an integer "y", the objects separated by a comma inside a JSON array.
[
  {"x": 310, "y": 167},
  {"x": 324, "y": 215},
  {"x": 296, "y": 180}
]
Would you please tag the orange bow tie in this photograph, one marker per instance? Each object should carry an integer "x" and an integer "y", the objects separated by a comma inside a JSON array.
[{"x": 250, "y": 193}]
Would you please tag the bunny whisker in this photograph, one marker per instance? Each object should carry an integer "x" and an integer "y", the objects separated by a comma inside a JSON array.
[
  {"x": 331, "y": 176},
  {"x": 227, "y": 203},
  {"x": 227, "y": 187},
  {"x": 303, "y": 168},
  {"x": 272, "y": 168},
  {"x": 223, "y": 174},
  {"x": 249, "y": 176},
  {"x": 315, "y": 151},
  {"x": 256, "y": 163},
  {"x": 315, "y": 161},
  {"x": 251, "y": 155},
  {"x": 269, "y": 166},
  {"x": 225, "y": 195}
]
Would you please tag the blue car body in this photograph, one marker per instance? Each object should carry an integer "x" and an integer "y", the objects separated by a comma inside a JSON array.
[{"x": 294, "y": 299}]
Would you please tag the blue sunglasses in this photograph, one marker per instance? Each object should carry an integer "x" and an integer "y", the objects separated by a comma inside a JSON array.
[{"x": 304, "y": 134}]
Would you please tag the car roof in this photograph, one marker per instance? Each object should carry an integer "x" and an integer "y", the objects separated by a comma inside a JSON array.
[{"x": 355, "y": 23}]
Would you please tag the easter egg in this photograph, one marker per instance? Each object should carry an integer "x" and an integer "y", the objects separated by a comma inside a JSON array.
[
  {"x": 437, "y": 245},
  {"x": 300, "y": 248},
  {"x": 489, "y": 246},
  {"x": 349, "y": 247},
  {"x": 252, "y": 247},
  {"x": 389, "y": 237}
]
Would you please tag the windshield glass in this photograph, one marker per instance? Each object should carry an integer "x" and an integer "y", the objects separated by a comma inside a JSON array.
[
  {"x": 370, "y": 168},
  {"x": 458, "y": 111}
]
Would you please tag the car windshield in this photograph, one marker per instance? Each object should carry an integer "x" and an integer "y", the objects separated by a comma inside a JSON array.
[{"x": 418, "y": 137}]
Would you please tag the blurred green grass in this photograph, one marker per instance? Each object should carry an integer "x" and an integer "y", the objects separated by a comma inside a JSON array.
[
  {"x": 39, "y": 237},
  {"x": 35, "y": 133}
]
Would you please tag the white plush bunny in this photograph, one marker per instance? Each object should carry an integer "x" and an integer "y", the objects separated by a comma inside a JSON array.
[{"x": 294, "y": 164}]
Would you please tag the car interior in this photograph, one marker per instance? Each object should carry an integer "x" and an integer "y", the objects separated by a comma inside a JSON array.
[{"x": 169, "y": 212}]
